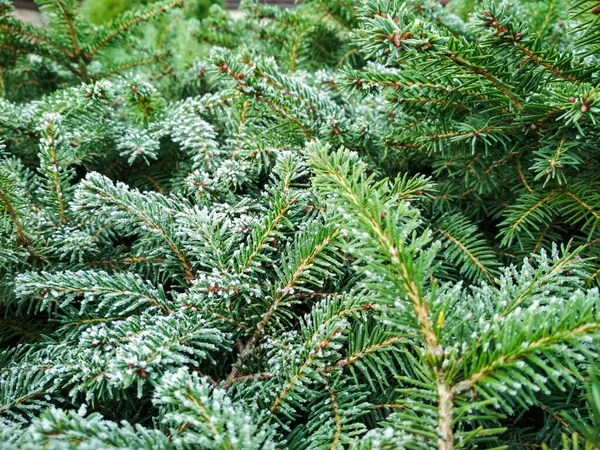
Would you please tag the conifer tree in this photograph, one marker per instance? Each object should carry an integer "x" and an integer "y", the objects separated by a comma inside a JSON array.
[{"x": 364, "y": 225}]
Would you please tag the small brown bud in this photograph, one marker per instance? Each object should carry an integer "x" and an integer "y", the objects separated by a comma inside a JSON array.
[
  {"x": 23, "y": 241},
  {"x": 80, "y": 295},
  {"x": 88, "y": 95},
  {"x": 571, "y": 99},
  {"x": 486, "y": 13},
  {"x": 518, "y": 36},
  {"x": 584, "y": 108},
  {"x": 596, "y": 9},
  {"x": 396, "y": 39},
  {"x": 74, "y": 144},
  {"x": 43, "y": 292}
]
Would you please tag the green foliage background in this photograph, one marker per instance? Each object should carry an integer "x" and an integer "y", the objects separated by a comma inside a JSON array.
[
  {"x": 348, "y": 224},
  {"x": 100, "y": 11}
]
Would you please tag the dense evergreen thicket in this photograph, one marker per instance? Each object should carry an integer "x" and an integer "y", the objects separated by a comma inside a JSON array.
[{"x": 350, "y": 224}]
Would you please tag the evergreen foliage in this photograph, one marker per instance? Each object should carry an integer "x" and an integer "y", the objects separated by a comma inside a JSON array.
[
  {"x": 358, "y": 224},
  {"x": 100, "y": 11}
]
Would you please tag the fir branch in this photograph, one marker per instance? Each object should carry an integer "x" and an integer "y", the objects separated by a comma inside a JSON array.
[
  {"x": 307, "y": 263},
  {"x": 53, "y": 168},
  {"x": 57, "y": 428},
  {"x": 300, "y": 371},
  {"x": 118, "y": 27},
  {"x": 506, "y": 34},
  {"x": 533, "y": 209},
  {"x": 335, "y": 173},
  {"x": 126, "y": 67},
  {"x": 479, "y": 261},
  {"x": 30, "y": 32},
  {"x": 76, "y": 50},
  {"x": 336, "y": 414},
  {"x": 206, "y": 416},
  {"x": 121, "y": 294},
  {"x": 282, "y": 200},
  {"x": 365, "y": 353},
  {"x": 541, "y": 345},
  {"x": 487, "y": 75},
  {"x": 99, "y": 192},
  {"x": 347, "y": 302},
  {"x": 9, "y": 197}
]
